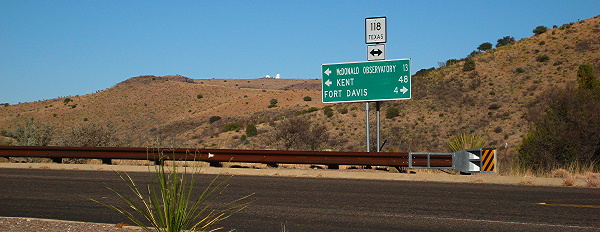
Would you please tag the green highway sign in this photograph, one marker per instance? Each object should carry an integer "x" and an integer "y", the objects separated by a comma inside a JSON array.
[{"x": 366, "y": 81}]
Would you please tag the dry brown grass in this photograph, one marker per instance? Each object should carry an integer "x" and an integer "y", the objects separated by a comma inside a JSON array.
[
  {"x": 569, "y": 181},
  {"x": 593, "y": 180},
  {"x": 560, "y": 173}
]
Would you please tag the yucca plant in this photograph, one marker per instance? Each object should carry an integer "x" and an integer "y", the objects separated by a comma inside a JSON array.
[
  {"x": 168, "y": 205},
  {"x": 465, "y": 141}
]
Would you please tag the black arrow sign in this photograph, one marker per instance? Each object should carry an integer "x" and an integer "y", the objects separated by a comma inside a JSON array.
[{"x": 378, "y": 52}]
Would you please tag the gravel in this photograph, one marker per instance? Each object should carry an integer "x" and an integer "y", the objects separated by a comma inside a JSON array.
[{"x": 35, "y": 224}]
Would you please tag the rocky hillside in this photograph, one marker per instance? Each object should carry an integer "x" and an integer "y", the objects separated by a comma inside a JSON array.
[{"x": 488, "y": 99}]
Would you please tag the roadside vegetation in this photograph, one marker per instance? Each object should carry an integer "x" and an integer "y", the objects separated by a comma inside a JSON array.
[{"x": 171, "y": 204}]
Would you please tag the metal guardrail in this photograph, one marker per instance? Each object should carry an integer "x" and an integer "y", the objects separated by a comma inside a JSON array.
[
  {"x": 431, "y": 158},
  {"x": 106, "y": 154},
  {"x": 467, "y": 161}
]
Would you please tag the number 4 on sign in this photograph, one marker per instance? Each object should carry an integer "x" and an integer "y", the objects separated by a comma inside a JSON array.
[{"x": 403, "y": 90}]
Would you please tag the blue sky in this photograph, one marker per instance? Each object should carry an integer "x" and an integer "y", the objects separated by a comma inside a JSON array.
[{"x": 50, "y": 49}]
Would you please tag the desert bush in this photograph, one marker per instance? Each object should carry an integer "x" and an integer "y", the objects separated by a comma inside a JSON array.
[
  {"x": 199, "y": 96},
  {"x": 506, "y": 40},
  {"x": 564, "y": 130},
  {"x": 307, "y": 98},
  {"x": 343, "y": 110},
  {"x": 519, "y": 70},
  {"x": 300, "y": 134},
  {"x": 232, "y": 127},
  {"x": 392, "y": 112},
  {"x": 451, "y": 62},
  {"x": 542, "y": 58},
  {"x": 309, "y": 110},
  {"x": 474, "y": 53},
  {"x": 90, "y": 135},
  {"x": 494, "y": 106},
  {"x": 328, "y": 111},
  {"x": 214, "y": 119},
  {"x": 272, "y": 103},
  {"x": 465, "y": 141},
  {"x": 31, "y": 133},
  {"x": 539, "y": 30},
  {"x": 485, "y": 47},
  {"x": 251, "y": 130},
  {"x": 423, "y": 72},
  {"x": 67, "y": 100},
  {"x": 586, "y": 78},
  {"x": 469, "y": 65}
]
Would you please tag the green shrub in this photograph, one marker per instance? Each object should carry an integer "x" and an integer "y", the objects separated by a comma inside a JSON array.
[
  {"x": 232, "y": 127},
  {"x": 199, "y": 96},
  {"x": 542, "y": 58},
  {"x": 494, "y": 106},
  {"x": 539, "y": 30},
  {"x": 309, "y": 110},
  {"x": 307, "y": 98},
  {"x": 343, "y": 110},
  {"x": 451, "y": 62},
  {"x": 423, "y": 72},
  {"x": 273, "y": 103},
  {"x": 469, "y": 65},
  {"x": 67, "y": 100},
  {"x": 520, "y": 70},
  {"x": 586, "y": 78},
  {"x": 392, "y": 112},
  {"x": 328, "y": 111},
  {"x": 251, "y": 130},
  {"x": 485, "y": 47},
  {"x": 564, "y": 131},
  {"x": 506, "y": 40},
  {"x": 214, "y": 119}
]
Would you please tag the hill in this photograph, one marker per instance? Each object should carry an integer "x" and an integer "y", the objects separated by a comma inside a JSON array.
[{"x": 489, "y": 99}]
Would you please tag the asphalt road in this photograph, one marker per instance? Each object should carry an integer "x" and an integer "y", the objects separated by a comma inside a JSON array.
[{"x": 318, "y": 204}]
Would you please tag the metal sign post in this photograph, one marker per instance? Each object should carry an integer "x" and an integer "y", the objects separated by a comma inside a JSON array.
[
  {"x": 374, "y": 80},
  {"x": 375, "y": 33}
]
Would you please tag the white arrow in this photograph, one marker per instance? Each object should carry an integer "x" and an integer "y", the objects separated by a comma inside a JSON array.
[
  {"x": 404, "y": 90},
  {"x": 327, "y": 72},
  {"x": 328, "y": 82}
]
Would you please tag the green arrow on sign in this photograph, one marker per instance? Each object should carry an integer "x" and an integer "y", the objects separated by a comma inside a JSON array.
[{"x": 366, "y": 81}]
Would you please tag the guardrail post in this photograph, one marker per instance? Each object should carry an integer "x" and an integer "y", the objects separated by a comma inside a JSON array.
[
  {"x": 215, "y": 164},
  {"x": 56, "y": 160},
  {"x": 333, "y": 166},
  {"x": 107, "y": 161}
]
